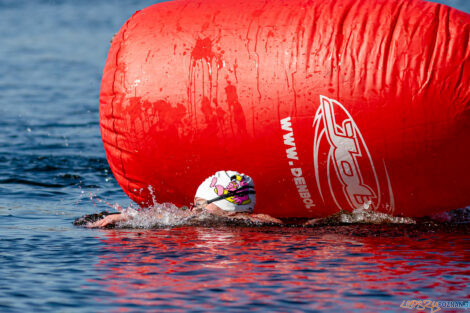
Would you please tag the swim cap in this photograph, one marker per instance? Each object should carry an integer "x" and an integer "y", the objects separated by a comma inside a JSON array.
[{"x": 232, "y": 191}]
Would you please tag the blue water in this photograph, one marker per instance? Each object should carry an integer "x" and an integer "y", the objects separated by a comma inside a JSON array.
[{"x": 53, "y": 169}]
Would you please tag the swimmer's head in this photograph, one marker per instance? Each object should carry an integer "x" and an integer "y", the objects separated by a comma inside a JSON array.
[{"x": 228, "y": 190}]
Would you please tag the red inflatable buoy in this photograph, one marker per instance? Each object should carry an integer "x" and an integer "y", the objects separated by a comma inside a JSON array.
[{"x": 328, "y": 105}]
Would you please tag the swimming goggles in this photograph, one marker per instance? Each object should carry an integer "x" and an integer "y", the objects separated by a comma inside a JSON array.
[{"x": 245, "y": 190}]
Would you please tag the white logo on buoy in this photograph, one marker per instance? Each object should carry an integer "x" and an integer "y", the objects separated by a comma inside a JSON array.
[{"x": 344, "y": 159}]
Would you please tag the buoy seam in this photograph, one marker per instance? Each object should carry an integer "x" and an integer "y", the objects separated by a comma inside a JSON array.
[
  {"x": 388, "y": 69},
  {"x": 121, "y": 150},
  {"x": 431, "y": 55},
  {"x": 113, "y": 100}
]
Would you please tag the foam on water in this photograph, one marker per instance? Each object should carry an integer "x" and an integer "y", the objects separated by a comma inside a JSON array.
[
  {"x": 160, "y": 215},
  {"x": 364, "y": 215},
  {"x": 167, "y": 215}
]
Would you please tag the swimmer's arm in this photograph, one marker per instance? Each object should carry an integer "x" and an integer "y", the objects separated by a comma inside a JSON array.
[
  {"x": 109, "y": 220},
  {"x": 126, "y": 216},
  {"x": 257, "y": 218},
  {"x": 265, "y": 218}
]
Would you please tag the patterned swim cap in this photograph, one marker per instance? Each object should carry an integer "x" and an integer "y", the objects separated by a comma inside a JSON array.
[{"x": 229, "y": 190}]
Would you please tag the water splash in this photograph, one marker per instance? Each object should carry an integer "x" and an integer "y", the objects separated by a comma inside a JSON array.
[
  {"x": 363, "y": 215},
  {"x": 157, "y": 216},
  {"x": 168, "y": 215},
  {"x": 97, "y": 201},
  {"x": 367, "y": 216}
]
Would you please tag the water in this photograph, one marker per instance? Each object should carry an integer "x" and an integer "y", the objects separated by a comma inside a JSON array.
[{"x": 53, "y": 169}]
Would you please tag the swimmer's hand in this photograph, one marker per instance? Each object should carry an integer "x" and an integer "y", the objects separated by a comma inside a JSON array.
[
  {"x": 109, "y": 220},
  {"x": 314, "y": 221},
  {"x": 265, "y": 218},
  {"x": 256, "y": 218}
]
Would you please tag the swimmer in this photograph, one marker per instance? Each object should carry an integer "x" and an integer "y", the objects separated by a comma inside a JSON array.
[{"x": 226, "y": 194}]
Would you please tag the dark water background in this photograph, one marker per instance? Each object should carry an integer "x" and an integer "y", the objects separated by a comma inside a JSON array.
[{"x": 53, "y": 169}]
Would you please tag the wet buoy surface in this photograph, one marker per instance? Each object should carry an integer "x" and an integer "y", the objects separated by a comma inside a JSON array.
[{"x": 328, "y": 105}]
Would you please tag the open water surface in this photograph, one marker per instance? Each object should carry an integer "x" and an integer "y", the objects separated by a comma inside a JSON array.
[{"x": 53, "y": 169}]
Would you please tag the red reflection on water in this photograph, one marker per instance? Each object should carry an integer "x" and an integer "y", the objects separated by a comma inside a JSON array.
[{"x": 203, "y": 268}]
